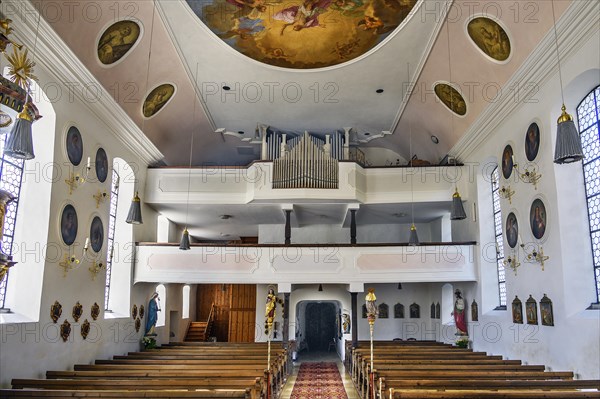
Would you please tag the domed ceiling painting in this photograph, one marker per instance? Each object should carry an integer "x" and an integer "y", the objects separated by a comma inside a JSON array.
[{"x": 302, "y": 34}]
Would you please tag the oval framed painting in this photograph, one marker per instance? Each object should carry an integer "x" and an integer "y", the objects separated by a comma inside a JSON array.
[
  {"x": 68, "y": 224},
  {"x": 157, "y": 99},
  {"x": 532, "y": 141},
  {"x": 512, "y": 230},
  {"x": 451, "y": 98},
  {"x": 96, "y": 234},
  {"x": 538, "y": 219},
  {"x": 490, "y": 38},
  {"x": 74, "y": 145},
  {"x": 117, "y": 40},
  {"x": 507, "y": 161},
  {"x": 101, "y": 165}
]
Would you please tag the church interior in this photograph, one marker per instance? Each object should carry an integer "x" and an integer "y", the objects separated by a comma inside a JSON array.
[{"x": 310, "y": 199}]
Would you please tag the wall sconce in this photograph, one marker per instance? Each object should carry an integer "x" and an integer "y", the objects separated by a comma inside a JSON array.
[
  {"x": 529, "y": 176},
  {"x": 507, "y": 193},
  {"x": 74, "y": 181},
  {"x": 69, "y": 263},
  {"x": 95, "y": 268},
  {"x": 512, "y": 262},
  {"x": 536, "y": 256},
  {"x": 100, "y": 197}
]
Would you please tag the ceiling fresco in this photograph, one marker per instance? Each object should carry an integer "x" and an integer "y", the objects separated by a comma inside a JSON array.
[
  {"x": 117, "y": 40},
  {"x": 490, "y": 37},
  {"x": 302, "y": 34}
]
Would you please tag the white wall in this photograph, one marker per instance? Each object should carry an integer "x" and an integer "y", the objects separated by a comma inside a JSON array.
[
  {"x": 29, "y": 349},
  {"x": 572, "y": 344}
]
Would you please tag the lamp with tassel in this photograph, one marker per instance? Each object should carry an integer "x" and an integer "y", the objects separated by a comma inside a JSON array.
[
  {"x": 457, "y": 210},
  {"x": 184, "y": 245},
  {"x": 19, "y": 143},
  {"x": 135, "y": 211},
  {"x": 568, "y": 143},
  {"x": 413, "y": 238}
]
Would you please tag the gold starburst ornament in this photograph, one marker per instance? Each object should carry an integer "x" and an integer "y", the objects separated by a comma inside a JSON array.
[{"x": 21, "y": 67}]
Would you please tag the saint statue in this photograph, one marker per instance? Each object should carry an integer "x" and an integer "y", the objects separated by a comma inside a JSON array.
[
  {"x": 459, "y": 314},
  {"x": 153, "y": 309}
]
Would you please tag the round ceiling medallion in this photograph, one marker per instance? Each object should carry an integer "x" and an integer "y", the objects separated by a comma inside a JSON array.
[
  {"x": 157, "y": 99},
  {"x": 451, "y": 98},
  {"x": 117, "y": 40},
  {"x": 302, "y": 34},
  {"x": 490, "y": 38}
]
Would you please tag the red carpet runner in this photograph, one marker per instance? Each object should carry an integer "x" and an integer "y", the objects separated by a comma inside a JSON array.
[{"x": 318, "y": 381}]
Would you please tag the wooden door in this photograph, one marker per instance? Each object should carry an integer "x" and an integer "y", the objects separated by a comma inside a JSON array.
[
  {"x": 218, "y": 294},
  {"x": 242, "y": 313}
]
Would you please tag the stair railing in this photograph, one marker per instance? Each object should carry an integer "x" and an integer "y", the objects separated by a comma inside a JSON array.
[{"x": 209, "y": 322}]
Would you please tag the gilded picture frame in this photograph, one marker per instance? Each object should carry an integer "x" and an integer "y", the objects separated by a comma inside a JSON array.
[
  {"x": 531, "y": 311},
  {"x": 538, "y": 218},
  {"x": 77, "y": 312},
  {"x": 398, "y": 311},
  {"x": 546, "y": 311},
  {"x": 517, "y": 310},
  {"x": 65, "y": 330},
  {"x": 55, "y": 311},
  {"x": 85, "y": 329},
  {"x": 532, "y": 142},
  {"x": 474, "y": 311},
  {"x": 95, "y": 311},
  {"x": 74, "y": 145},
  {"x": 415, "y": 311}
]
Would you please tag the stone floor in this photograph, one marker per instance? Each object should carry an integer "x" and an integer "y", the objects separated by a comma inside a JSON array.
[{"x": 319, "y": 357}]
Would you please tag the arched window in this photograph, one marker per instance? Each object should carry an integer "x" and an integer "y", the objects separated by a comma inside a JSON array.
[
  {"x": 162, "y": 296},
  {"x": 31, "y": 182},
  {"x": 119, "y": 261},
  {"x": 11, "y": 176},
  {"x": 185, "y": 306},
  {"x": 588, "y": 117},
  {"x": 495, "y": 179},
  {"x": 112, "y": 219}
]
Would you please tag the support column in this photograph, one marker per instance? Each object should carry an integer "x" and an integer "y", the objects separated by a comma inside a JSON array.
[
  {"x": 288, "y": 227},
  {"x": 352, "y": 226},
  {"x": 286, "y": 320},
  {"x": 354, "y": 301}
]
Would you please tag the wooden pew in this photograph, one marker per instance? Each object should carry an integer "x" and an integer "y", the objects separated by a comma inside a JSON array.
[
  {"x": 52, "y": 394},
  {"x": 481, "y": 394}
]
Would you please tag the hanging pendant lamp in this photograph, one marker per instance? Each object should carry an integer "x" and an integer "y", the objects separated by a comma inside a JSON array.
[
  {"x": 19, "y": 143},
  {"x": 135, "y": 211},
  {"x": 568, "y": 142},
  {"x": 457, "y": 210},
  {"x": 184, "y": 245}
]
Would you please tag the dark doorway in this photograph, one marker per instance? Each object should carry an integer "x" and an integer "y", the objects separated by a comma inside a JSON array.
[{"x": 320, "y": 325}]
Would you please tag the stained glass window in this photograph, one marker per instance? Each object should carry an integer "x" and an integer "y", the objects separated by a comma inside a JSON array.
[
  {"x": 495, "y": 178},
  {"x": 588, "y": 113}
]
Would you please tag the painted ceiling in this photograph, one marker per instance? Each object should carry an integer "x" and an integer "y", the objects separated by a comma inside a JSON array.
[
  {"x": 302, "y": 33},
  {"x": 479, "y": 46}
]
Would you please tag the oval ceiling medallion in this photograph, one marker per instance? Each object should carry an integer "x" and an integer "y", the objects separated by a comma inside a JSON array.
[
  {"x": 451, "y": 98},
  {"x": 157, "y": 99},
  {"x": 117, "y": 40},
  {"x": 302, "y": 34},
  {"x": 490, "y": 37}
]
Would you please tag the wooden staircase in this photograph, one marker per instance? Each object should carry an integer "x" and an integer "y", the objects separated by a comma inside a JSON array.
[{"x": 199, "y": 331}]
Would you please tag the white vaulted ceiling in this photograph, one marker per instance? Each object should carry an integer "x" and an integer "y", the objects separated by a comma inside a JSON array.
[{"x": 331, "y": 98}]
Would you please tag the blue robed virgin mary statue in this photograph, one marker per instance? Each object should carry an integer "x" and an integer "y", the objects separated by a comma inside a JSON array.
[{"x": 153, "y": 309}]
